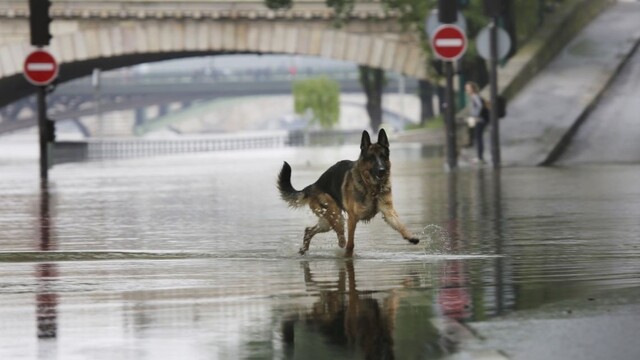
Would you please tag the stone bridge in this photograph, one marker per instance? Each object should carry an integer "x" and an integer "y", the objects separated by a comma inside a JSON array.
[{"x": 102, "y": 34}]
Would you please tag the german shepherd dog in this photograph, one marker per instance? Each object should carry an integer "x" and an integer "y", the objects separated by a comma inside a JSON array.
[{"x": 360, "y": 188}]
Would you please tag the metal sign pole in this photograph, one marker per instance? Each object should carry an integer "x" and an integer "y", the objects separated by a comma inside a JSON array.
[
  {"x": 495, "y": 126},
  {"x": 448, "y": 14},
  {"x": 450, "y": 119},
  {"x": 42, "y": 127}
]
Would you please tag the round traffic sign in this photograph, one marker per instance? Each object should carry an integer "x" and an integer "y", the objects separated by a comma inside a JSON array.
[
  {"x": 483, "y": 43},
  {"x": 449, "y": 42},
  {"x": 40, "y": 68}
]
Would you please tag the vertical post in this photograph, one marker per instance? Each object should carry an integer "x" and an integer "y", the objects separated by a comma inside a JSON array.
[
  {"x": 42, "y": 127},
  {"x": 495, "y": 130},
  {"x": 448, "y": 14},
  {"x": 450, "y": 118},
  {"x": 401, "y": 92},
  {"x": 95, "y": 82}
]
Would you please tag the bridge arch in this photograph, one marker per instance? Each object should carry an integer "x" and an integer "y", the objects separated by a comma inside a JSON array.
[{"x": 120, "y": 45}]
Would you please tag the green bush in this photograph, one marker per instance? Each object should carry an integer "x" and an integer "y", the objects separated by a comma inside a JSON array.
[{"x": 319, "y": 98}]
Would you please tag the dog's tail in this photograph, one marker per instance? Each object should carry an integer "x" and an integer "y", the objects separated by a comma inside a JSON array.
[{"x": 293, "y": 197}]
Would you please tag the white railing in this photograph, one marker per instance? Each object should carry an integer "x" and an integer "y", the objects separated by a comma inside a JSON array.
[{"x": 92, "y": 150}]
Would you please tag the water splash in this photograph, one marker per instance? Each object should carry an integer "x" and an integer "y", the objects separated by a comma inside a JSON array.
[{"x": 436, "y": 239}]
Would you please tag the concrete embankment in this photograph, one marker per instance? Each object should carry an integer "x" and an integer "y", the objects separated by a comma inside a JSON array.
[
  {"x": 543, "y": 117},
  {"x": 611, "y": 131}
]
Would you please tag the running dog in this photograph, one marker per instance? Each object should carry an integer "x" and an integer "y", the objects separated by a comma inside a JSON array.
[{"x": 360, "y": 188}]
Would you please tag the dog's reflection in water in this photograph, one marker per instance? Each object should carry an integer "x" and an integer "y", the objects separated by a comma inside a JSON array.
[
  {"x": 347, "y": 318},
  {"x": 344, "y": 322}
]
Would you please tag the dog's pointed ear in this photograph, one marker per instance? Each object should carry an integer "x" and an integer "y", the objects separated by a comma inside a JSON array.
[
  {"x": 382, "y": 138},
  {"x": 366, "y": 141}
]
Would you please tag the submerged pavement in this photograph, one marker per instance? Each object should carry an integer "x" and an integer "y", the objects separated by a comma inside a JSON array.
[
  {"x": 542, "y": 117},
  {"x": 195, "y": 257}
]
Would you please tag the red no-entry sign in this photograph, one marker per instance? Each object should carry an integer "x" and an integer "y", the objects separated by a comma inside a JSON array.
[
  {"x": 40, "y": 68},
  {"x": 449, "y": 42}
]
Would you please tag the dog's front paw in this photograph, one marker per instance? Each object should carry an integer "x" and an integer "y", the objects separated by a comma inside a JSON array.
[
  {"x": 342, "y": 243},
  {"x": 302, "y": 251},
  {"x": 413, "y": 240}
]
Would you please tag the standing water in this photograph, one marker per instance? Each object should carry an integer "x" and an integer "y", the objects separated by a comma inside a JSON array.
[{"x": 195, "y": 257}]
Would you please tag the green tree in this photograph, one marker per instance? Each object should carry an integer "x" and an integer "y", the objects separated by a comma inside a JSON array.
[
  {"x": 320, "y": 98},
  {"x": 279, "y": 4}
]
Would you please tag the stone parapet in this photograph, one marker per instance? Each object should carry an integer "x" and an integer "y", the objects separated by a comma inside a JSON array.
[
  {"x": 158, "y": 9},
  {"x": 106, "y": 39}
]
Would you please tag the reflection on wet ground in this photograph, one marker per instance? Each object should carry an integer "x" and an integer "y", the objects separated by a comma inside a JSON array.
[{"x": 196, "y": 257}]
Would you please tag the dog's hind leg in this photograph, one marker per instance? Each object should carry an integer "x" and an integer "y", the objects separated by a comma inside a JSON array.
[
  {"x": 337, "y": 224},
  {"x": 310, "y": 232},
  {"x": 331, "y": 212}
]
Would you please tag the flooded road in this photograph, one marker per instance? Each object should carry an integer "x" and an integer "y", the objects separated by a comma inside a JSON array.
[{"x": 195, "y": 257}]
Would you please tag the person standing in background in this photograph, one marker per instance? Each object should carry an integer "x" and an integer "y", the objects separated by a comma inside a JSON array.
[{"x": 480, "y": 113}]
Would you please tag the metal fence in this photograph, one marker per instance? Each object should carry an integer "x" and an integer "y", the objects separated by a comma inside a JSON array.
[{"x": 92, "y": 150}]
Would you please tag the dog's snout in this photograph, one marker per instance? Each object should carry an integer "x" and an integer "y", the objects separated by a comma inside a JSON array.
[{"x": 381, "y": 170}]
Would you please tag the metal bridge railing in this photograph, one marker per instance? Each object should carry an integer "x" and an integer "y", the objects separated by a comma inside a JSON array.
[{"x": 96, "y": 150}]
